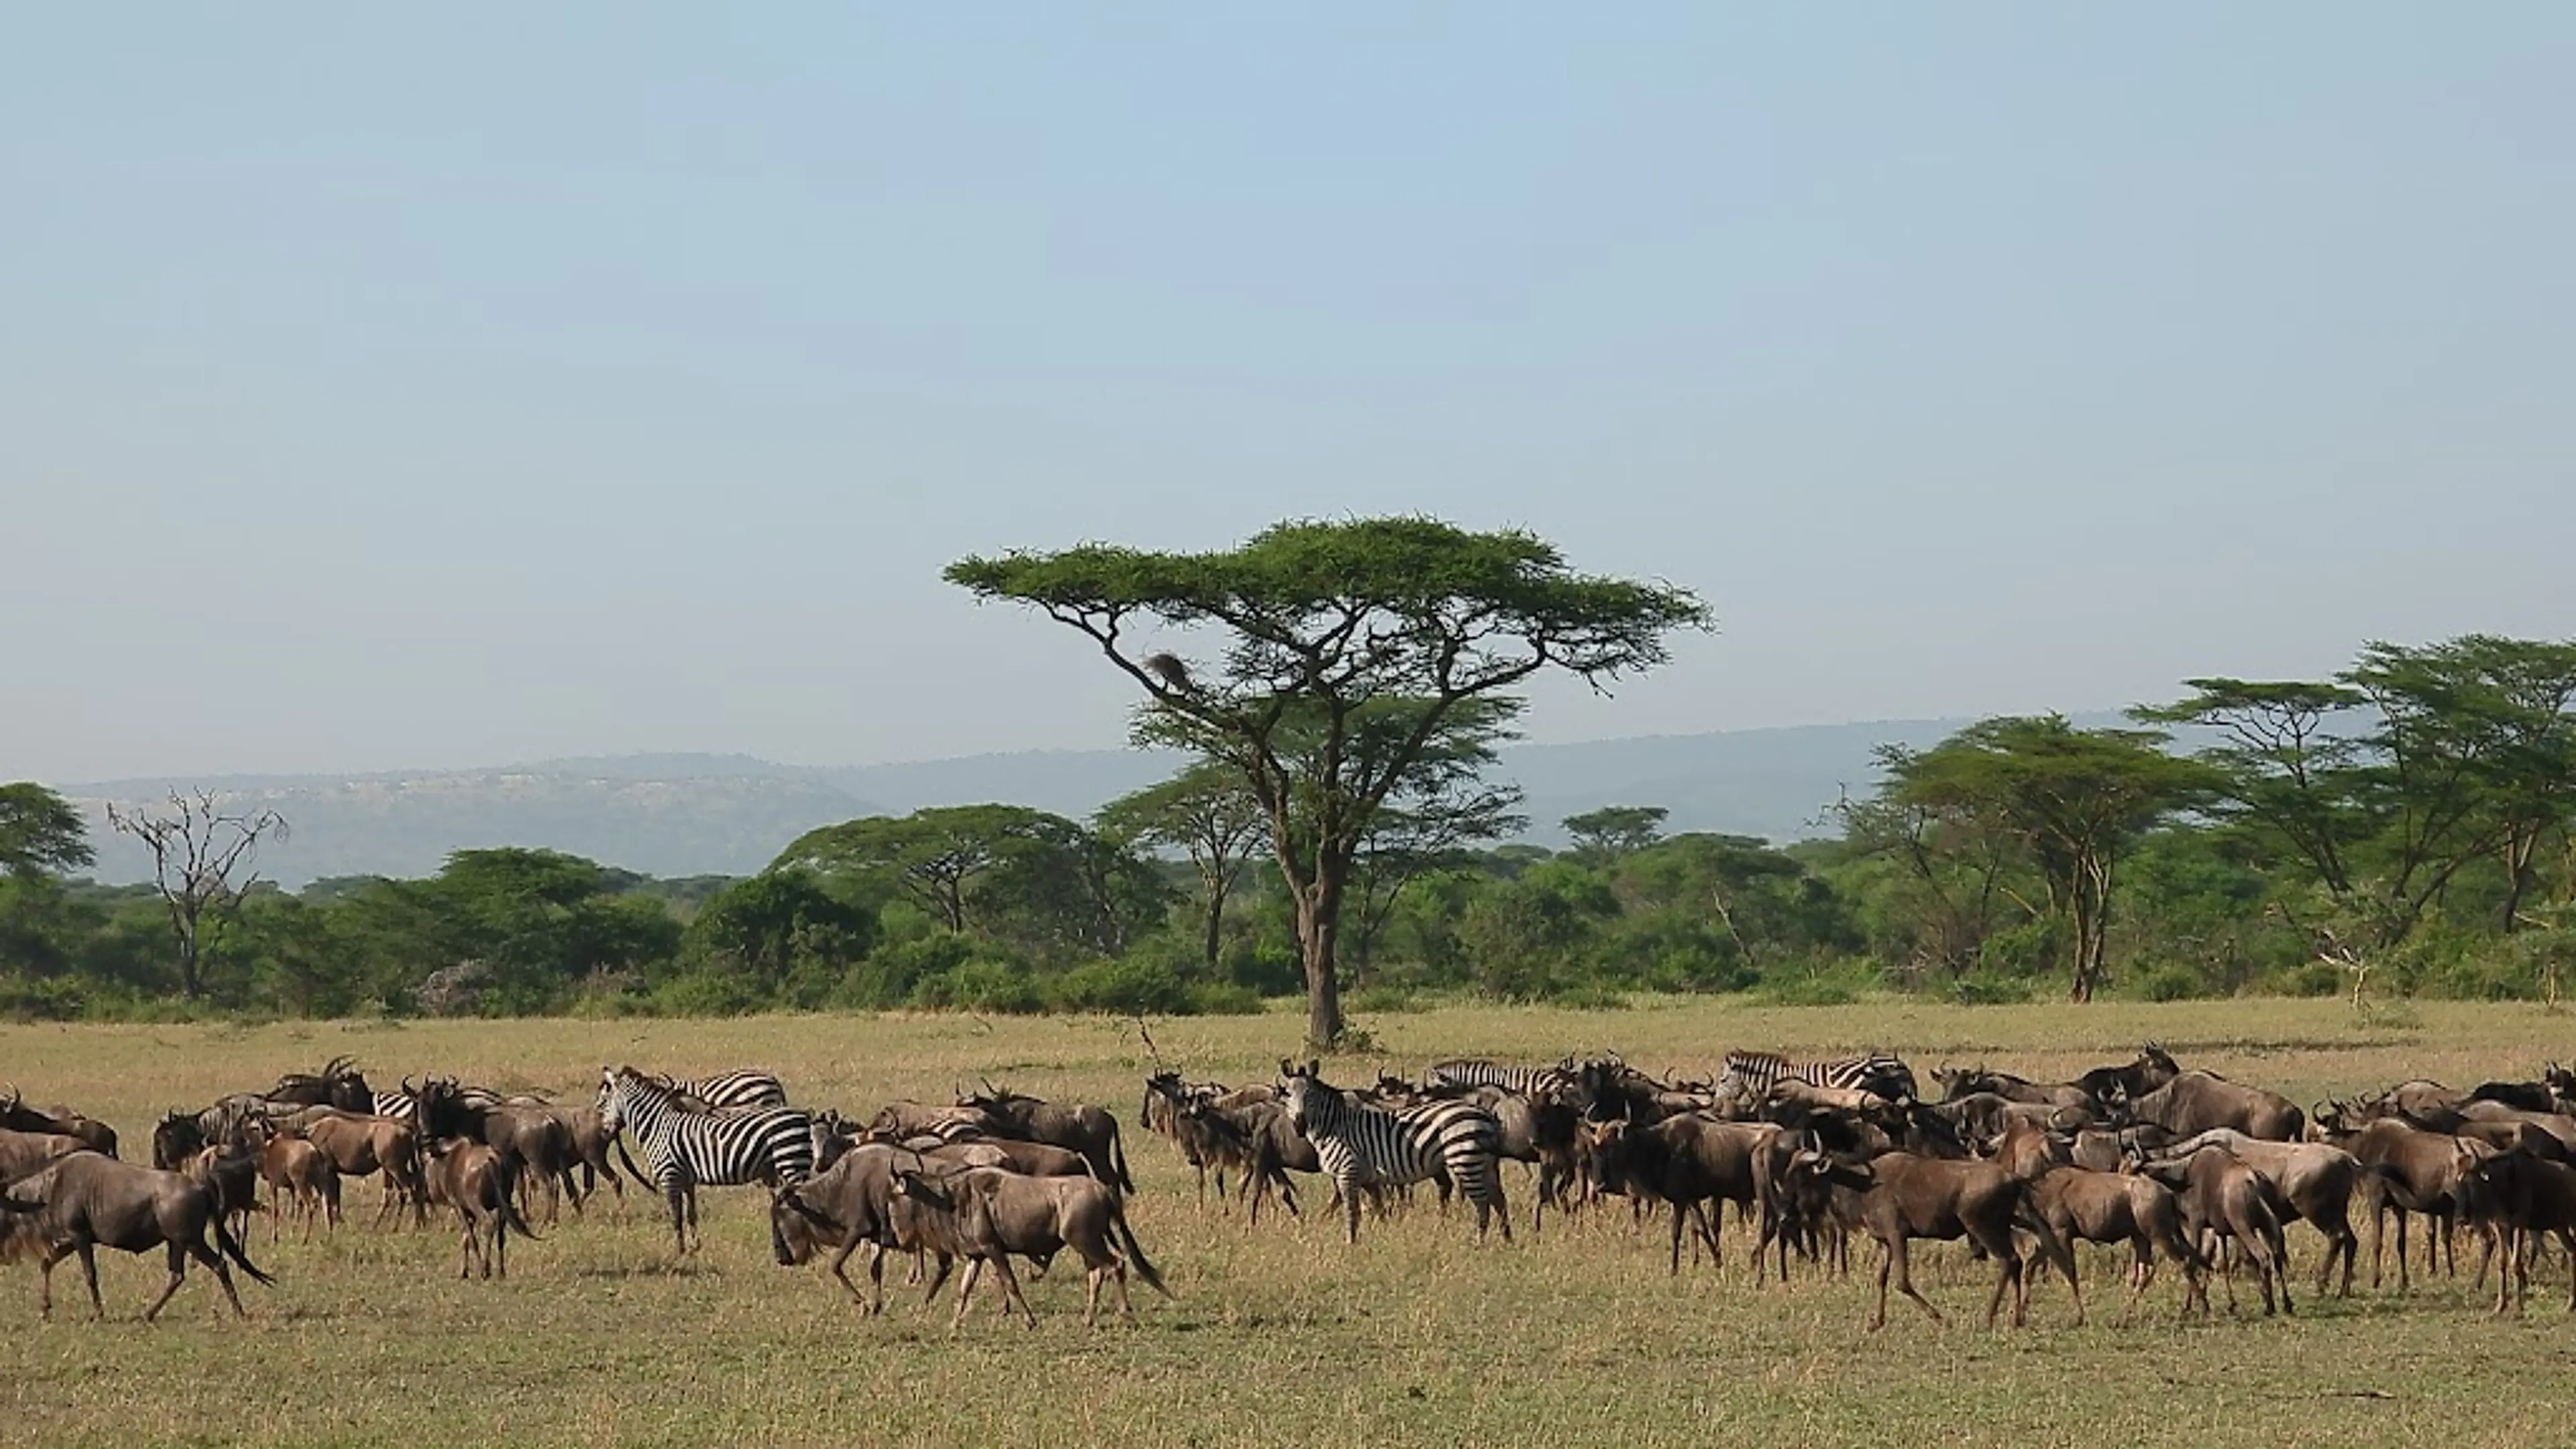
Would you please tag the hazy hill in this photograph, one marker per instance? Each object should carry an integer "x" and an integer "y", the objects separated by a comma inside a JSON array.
[{"x": 675, "y": 815}]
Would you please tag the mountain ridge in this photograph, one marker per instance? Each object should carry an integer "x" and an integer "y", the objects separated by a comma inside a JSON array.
[{"x": 682, "y": 813}]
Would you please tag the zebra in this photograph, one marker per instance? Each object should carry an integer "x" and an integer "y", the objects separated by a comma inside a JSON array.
[
  {"x": 1363, "y": 1146},
  {"x": 1533, "y": 1082},
  {"x": 686, "y": 1147},
  {"x": 1749, "y": 1075},
  {"x": 745, "y": 1087}
]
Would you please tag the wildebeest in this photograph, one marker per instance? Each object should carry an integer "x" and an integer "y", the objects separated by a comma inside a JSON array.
[
  {"x": 360, "y": 1145},
  {"x": 77, "y": 1203},
  {"x": 2530, "y": 1198},
  {"x": 475, "y": 1179},
  {"x": 2409, "y": 1170},
  {"x": 339, "y": 1084},
  {"x": 2197, "y": 1101},
  {"x": 1903, "y": 1197},
  {"x": 299, "y": 1175},
  {"x": 531, "y": 1138},
  {"x": 2221, "y": 1195},
  {"x": 845, "y": 1206},
  {"x": 1087, "y": 1129},
  {"x": 231, "y": 1173},
  {"x": 985, "y": 1214},
  {"x": 22, "y": 1151},
  {"x": 17, "y": 1116},
  {"x": 1686, "y": 1161},
  {"x": 2313, "y": 1180},
  {"x": 2152, "y": 1069}
]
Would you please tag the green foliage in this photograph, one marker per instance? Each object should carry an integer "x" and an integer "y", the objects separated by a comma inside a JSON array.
[{"x": 41, "y": 833}]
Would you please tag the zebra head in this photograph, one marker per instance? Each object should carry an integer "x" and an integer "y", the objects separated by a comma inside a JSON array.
[
  {"x": 612, "y": 1109},
  {"x": 1298, "y": 1089}
]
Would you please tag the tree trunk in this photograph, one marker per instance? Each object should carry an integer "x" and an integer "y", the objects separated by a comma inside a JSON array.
[
  {"x": 1215, "y": 926},
  {"x": 190, "y": 982},
  {"x": 1319, "y": 930}
]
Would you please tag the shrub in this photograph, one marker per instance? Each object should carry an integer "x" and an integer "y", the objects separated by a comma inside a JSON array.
[
  {"x": 1126, "y": 986},
  {"x": 991, "y": 986}
]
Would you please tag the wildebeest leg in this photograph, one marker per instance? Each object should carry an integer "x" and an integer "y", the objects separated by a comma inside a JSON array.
[
  {"x": 940, "y": 1275},
  {"x": 841, "y": 1268},
  {"x": 1011, "y": 1289},
  {"x": 178, "y": 1275},
  {"x": 501, "y": 1242},
  {"x": 1899, "y": 1260},
  {"x": 965, "y": 1291},
  {"x": 1678, "y": 1209},
  {"x": 1126, "y": 1305},
  {"x": 89, "y": 1270},
  {"x": 2008, "y": 1275},
  {"x": 223, "y": 1275},
  {"x": 876, "y": 1280},
  {"x": 1091, "y": 1294}
]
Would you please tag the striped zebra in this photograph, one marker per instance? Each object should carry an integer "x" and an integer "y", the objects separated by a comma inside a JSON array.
[
  {"x": 1750, "y": 1075},
  {"x": 745, "y": 1087},
  {"x": 1360, "y": 1146},
  {"x": 1558, "y": 1080},
  {"x": 686, "y": 1147}
]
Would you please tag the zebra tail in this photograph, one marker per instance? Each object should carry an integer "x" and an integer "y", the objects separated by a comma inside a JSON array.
[
  {"x": 232, "y": 1249},
  {"x": 1135, "y": 1251}
]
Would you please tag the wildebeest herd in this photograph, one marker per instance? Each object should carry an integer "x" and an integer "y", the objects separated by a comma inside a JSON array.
[{"x": 2181, "y": 1166}]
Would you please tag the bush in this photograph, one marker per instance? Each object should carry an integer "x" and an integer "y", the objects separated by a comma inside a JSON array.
[
  {"x": 31, "y": 998},
  {"x": 707, "y": 993},
  {"x": 1379, "y": 997},
  {"x": 990, "y": 986},
  {"x": 1985, "y": 990},
  {"x": 2169, "y": 982},
  {"x": 1126, "y": 986},
  {"x": 1224, "y": 998}
]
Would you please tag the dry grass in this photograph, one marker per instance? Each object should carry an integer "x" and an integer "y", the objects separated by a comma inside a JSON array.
[{"x": 1417, "y": 1336}]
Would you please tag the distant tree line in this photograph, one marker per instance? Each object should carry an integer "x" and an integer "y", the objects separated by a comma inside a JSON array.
[{"x": 2404, "y": 826}]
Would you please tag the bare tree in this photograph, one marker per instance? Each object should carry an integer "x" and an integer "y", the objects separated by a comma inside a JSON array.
[{"x": 195, "y": 854}]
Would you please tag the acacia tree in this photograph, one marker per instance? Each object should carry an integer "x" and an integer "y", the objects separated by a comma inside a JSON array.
[
  {"x": 2074, "y": 799},
  {"x": 1206, "y": 813},
  {"x": 41, "y": 833},
  {"x": 933, "y": 856},
  {"x": 196, "y": 849},
  {"x": 1316, "y": 622},
  {"x": 1602, "y": 836}
]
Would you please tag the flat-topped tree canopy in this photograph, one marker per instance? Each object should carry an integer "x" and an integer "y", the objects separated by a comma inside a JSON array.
[{"x": 1329, "y": 629}]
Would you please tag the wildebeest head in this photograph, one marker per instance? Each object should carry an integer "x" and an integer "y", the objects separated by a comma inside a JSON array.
[{"x": 176, "y": 1138}]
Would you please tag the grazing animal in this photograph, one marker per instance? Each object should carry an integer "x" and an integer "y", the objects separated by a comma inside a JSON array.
[
  {"x": 985, "y": 1214},
  {"x": 362, "y": 1145},
  {"x": 302, "y": 1176},
  {"x": 2313, "y": 1180},
  {"x": 687, "y": 1148},
  {"x": 742, "y": 1087},
  {"x": 1089, "y": 1130},
  {"x": 2222, "y": 1196},
  {"x": 1750, "y": 1075},
  {"x": 532, "y": 1139},
  {"x": 2197, "y": 1101},
  {"x": 475, "y": 1179},
  {"x": 339, "y": 1084},
  {"x": 1904, "y": 1196},
  {"x": 1563, "y": 1079},
  {"x": 1361, "y": 1146},
  {"x": 17, "y": 1116},
  {"x": 81, "y": 1202},
  {"x": 23, "y": 1151},
  {"x": 1685, "y": 1161},
  {"x": 843, "y": 1207}
]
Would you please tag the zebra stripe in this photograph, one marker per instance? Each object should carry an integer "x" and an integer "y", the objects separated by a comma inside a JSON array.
[
  {"x": 1359, "y": 1145},
  {"x": 686, "y": 1148},
  {"x": 741, "y": 1088},
  {"x": 1751, "y": 1074},
  {"x": 1479, "y": 1072},
  {"x": 403, "y": 1107}
]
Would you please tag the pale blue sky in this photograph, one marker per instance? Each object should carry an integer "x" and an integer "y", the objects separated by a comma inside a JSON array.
[{"x": 426, "y": 386}]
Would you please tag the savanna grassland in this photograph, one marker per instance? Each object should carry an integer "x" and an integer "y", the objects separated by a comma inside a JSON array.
[{"x": 1576, "y": 1335}]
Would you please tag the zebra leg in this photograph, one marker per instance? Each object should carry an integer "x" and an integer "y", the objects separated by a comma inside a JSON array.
[
  {"x": 675, "y": 1193},
  {"x": 1350, "y": 1191}
]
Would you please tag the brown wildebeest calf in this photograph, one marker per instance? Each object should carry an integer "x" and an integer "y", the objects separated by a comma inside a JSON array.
[
  {"x": 475, "y": 1179},
  {"x": 2531, "y": 1198},
  {"x": 2221, "y": 1195},
  {"x": 360, "y": 1145},
  {"x": 1686, "y": 1161},
  {"x": 299, "y": 1175},
  {"x": 1903, "y": 1197},
  {"x": 985, "y": 1214},
  {"x": 74, "y": 1204}
]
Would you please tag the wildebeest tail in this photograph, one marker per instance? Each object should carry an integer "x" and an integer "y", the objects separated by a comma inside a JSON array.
[
  {"x": 507, "y": 1180},
  {"x": 232, "y": 1249},
  {"x": 1118, "y": 1157},
  {"x": 1135, "y": 1251},
  {"x": 641, "y": 1180}
]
